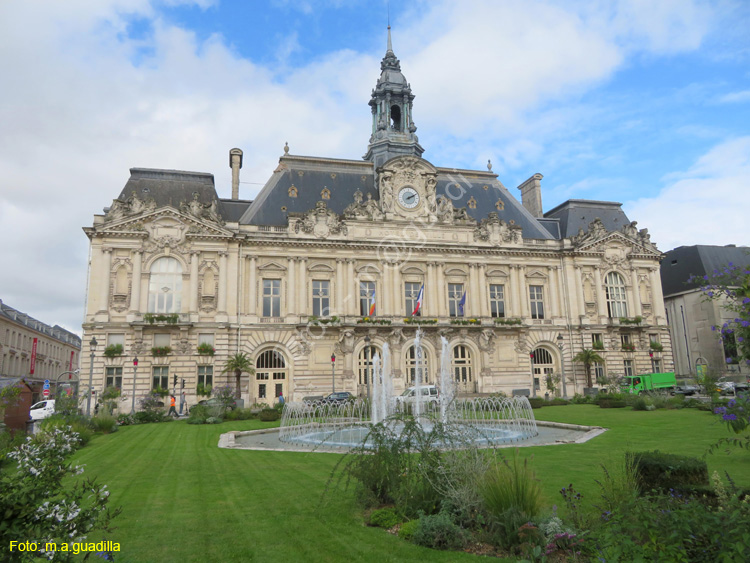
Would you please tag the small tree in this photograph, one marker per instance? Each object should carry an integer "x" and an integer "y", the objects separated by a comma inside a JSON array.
[
  {"x": 588, "y": 358},
  {"x": 225, "y": 396},
  {"x": 108, "y": 398},
  {"x": 239, "y": 364}
]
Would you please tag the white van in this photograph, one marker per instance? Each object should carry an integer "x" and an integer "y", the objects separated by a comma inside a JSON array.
[
  {"x": 42, "y": 409},
  {"x": 429, "y": 395}
]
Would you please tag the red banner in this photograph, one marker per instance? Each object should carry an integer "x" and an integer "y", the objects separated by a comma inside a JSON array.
[
  {"x": 70, "y": 367},
  {"x": 33, "y": 358}
]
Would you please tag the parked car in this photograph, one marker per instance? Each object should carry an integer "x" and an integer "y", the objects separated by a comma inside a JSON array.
[
  {"x": 686, "y": 389},
  {"x": 214, "y": 402},
  {"x": 727, "y": 387},
  {"x": 338, "y": 398},
  {"x": 429, "y": 394},
  {"x": 42, "y": 409}
]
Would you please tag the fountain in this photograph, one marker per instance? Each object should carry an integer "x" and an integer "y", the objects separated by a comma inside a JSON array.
[{"x": 483, "y": 421}]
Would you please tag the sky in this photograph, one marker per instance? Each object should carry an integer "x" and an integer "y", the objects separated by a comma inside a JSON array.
[{"x": 641, "y": 102}]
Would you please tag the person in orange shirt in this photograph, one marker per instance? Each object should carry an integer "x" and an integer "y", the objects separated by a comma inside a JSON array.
[{"x": 172, "y": 409}]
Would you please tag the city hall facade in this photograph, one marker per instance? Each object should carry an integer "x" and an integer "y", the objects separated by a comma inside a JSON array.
[{"x": 335, "y": 258}]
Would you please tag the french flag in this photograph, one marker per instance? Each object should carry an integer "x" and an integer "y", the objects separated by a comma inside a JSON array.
[{"x": 420, "y": 296}]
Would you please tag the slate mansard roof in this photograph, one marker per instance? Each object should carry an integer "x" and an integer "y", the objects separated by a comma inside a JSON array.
[{"x": 698, "y": 260}]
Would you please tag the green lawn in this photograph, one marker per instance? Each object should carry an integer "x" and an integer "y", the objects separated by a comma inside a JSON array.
[{"x": 184, "y": 499}]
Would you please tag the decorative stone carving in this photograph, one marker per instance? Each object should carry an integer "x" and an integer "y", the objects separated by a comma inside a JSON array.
[
  {"x": 486, "y": 340},
  {"x": 596, "y": 231},
  {"x": 346, "y": 341},
  {"x": 415, "y": 173},
  {"x": 495, "y": 230},
  {"x": 320, "y": 221},
  {"x": 202, "y": 211},
  {"x": 132, "y": 206},
  {"x": 396, "y": 338}
]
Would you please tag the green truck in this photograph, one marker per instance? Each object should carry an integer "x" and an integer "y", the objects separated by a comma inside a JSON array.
[{"x": 637, "y": 384}]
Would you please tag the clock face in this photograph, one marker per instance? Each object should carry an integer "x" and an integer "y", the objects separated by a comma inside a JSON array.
[{"x": 408, "y": 198}]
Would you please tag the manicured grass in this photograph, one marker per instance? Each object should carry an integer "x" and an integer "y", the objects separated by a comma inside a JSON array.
[{"x": 184, "y": 499}]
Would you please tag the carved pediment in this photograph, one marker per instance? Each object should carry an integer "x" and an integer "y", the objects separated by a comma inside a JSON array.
[
  {"x": 320, "y": 267},
  {"x": 319, "y": 222},
  {"x": 494, "y": 230},
  {"x": 164, "y": 222},
  {"x": 272, "y": 267}
]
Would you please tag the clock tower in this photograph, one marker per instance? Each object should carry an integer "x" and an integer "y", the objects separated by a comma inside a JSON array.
[
  {"x": 393, "y": 129},
  {"x": 407, "y": 189}
]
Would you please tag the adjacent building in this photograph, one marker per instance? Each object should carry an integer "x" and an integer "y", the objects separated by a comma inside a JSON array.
[
  {"x": 336, "y": 260},
  {"x": 692, "y": 317},
  {"x": 35, "y": 351}
]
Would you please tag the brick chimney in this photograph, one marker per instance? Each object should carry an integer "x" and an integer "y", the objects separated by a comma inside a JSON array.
[{"x": 235, "y": 163}]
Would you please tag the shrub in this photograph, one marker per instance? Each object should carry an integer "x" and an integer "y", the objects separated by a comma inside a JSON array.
[
  {"x": 407, "y": 529},
  {"x": 200, "y": 411},
  {"x": 77, "y": 423},
  {"x": 104, "y": 424},
  {"x": 144, "y": 417},
  {"x": 512, "y": 495},
  {"x": 559, "y": 401},
  {"x": 269, "y": 415},
  {"x": 640, "y": 404},
  {"x": 384, "y": 518},
  {"x": 612, "y": 403},
  {"x": 213, "y": 420},
  {"x": 438, "y": 531},
  {"x": 662, "y": 471},
  {"x": 124, "y": 419},
  {"x": 579, "y": 399},
  {"x": 239, "y": 414},
  {"x": 537, "y": 402},
  {"x": 196, "y": 420}
]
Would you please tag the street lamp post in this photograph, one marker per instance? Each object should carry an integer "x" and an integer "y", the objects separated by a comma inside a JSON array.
[
  {"x": 92, "y": 345},
  {"x": 562, "y": 364},
  {"x": 135, "y": 374},
  {"x": 368, "y": 362},
  {"x": 533, "y": 383},
  {"x": 333, "y": 372}
]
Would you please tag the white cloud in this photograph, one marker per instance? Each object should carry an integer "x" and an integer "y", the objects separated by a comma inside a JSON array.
[
  {"x": 707, "y": 204},
  {"x": 735, "y": 97}
]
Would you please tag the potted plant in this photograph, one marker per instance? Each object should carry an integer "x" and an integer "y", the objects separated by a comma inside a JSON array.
[
  {"x": 113, "y": 350},
  {"x": 656, "y": 346},
  {"x": 628, "y": 347},
  {"x": 205, "y": 349},
  {"x": 161, "y": 350},
  {"x": 598, "y": 345},
  {"x": 203, "y": 390}
]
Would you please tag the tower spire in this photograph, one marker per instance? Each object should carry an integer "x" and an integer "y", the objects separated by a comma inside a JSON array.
[{"x": 390, "y": 45}]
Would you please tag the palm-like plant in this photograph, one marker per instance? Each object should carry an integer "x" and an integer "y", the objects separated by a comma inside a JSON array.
[
  {"x": 239, "y": 363},
  {"x": 588, "y": 358}
]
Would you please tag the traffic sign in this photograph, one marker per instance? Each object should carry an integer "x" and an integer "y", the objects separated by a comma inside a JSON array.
[
  {"x": 46, "y": 381},
  {"x": 45, "y": 392},
  {"x": 45, "y": 386}
]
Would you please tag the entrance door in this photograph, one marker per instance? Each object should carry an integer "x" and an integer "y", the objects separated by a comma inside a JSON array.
[
  {"x": 543, "y": 366},
  {"x": 270, "y": 377}
]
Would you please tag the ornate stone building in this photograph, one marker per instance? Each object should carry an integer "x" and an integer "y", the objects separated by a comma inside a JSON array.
[{"x": 331, "y": 256}]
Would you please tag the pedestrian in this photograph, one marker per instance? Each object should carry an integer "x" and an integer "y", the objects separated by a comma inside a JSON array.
[
  {"x": 281, "y": 399},
  {"x": 172, "y": 403},
  {"x": 183, "y": 403}
]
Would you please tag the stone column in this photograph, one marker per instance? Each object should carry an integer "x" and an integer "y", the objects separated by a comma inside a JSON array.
[
  {"x": 302, "y": 289},
  {"x": 637, "y": 310},
  {"x": 430, "y": 292},
  {"x": 253, "y": 286},
  {"x": 475, "y": 299},
  {"x": 222, "y": 307},
  {"x": 398, "y": 291},
  {"x": 512, "y": 300},
  {"x": 631, "y": 290},
  {"x": 135, "y": 284},
  {"x": 194, "y": 281},
  {"x": 601, "y": 298},
  {"x": 442, "y": 290},
  {"x": 554, "y": 287},
  {"x": 483, "y": 304},
  {"x": 340, "y": 283},
  {"x": 581, "y": 311},
  {"x": 523, "y": 292},
  {"x": 352, "y": 289},
  {"x": 104, "y": 279},
  {"x": 384, "y": 297},
  {"x": 657, "y": 297},
  {"x": 291, "y": 302}
]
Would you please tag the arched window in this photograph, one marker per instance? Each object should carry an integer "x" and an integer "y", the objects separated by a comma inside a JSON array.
[
  {"x": 411, "y": 366},
  {"x": 270, "y": 369},
  {"x": 396, "y": 118},
  {"x": 364, "y": 363},
  {"x": 614, "y": 287},
  {"x": 165, "y": 286},
  {"x": 462, "y": 367}
]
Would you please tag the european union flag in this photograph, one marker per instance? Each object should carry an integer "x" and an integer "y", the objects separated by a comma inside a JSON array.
[{"x": 461, "y": 304}]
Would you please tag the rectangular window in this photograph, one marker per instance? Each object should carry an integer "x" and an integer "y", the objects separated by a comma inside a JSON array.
[
  {"x": 497, "y": 300},
  {"x": 655, "y": 365},
  {"x": 654, "y": 339},
  {"x": 627, "y": 342},
  {"x": 628, "y": 367},
  {"x": 455, "y": 297},
  {"x": 161, "y": 377},
  {"x": 597, "y": 342},
  {"x": 206, "y": 338},
  {"x": 367, "y": 299},
  {"x": 262, "y": 391},
  {"x": 599, "y": 372},
  {"x": 321, "y": 302},
  {"x": 536, "y": 301},
  {"x": 114, "y": 377},
  {"x": 206, "y": 375},
  {"x": 114, "y": 339},
  {"x": 161, "y": 340},
  {"x": 411, "y": 292},
  {"x": 271, "y": 298}
]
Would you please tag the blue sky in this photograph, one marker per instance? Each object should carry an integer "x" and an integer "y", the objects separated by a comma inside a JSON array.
[{"x": 639, "y": 102}]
